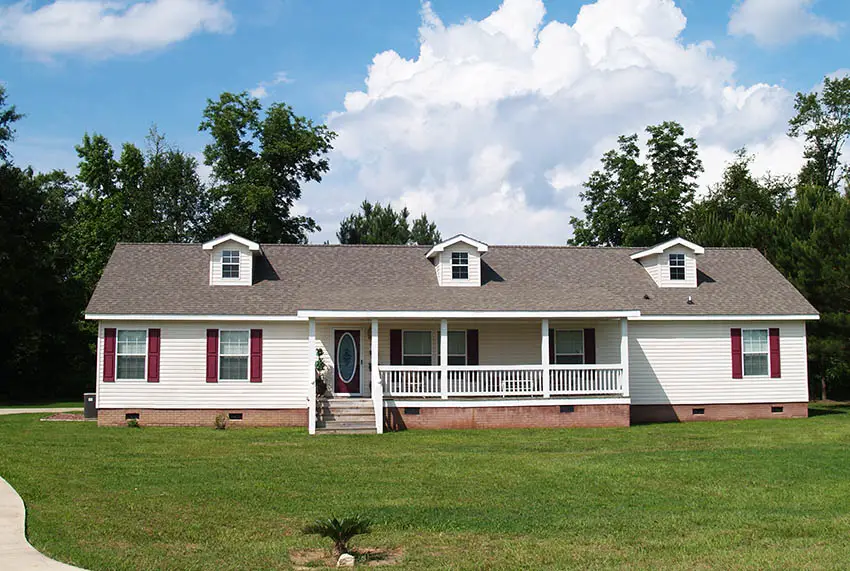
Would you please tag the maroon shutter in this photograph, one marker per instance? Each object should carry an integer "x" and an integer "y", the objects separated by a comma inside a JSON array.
[
  {"x": 256, "y": 355},
  {"x": 775, "y": 371},
  {"x": 153, "y": 355},
  {"x": 737, "y": 355},
  {"x": 551, "y": 346},
  {"x": 109, "y": 355},
  {"x": 212, "y": 355},
  {"x": 590, "y": 346},
  {"x": 472, "y": 347},
  {"x": 395, "y": 346}
]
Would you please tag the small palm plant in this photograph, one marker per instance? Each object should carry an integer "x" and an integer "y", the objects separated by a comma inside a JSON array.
[{"x": 339, "y": 530}]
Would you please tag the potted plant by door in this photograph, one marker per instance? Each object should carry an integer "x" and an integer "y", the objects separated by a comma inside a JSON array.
[{"x": 321, "y": 368}]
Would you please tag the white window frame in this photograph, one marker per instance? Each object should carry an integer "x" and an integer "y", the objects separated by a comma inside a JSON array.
[
  {"x": 677, "y": 265},
  {"x": 248, "y": 355},
  {"x": 238, "y": 264},
  {"x": 404, "y": 354},
  {"x": 117, "y": 354},
  {"x": 744, "y": 353},
  {"x": 460, "y": 264},
  {"x": 465, "y": 348},
  {"x": 555, "y": 341}
]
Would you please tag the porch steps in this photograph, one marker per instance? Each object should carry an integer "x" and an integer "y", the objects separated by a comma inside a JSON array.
[{"x": 345, "y": 416}]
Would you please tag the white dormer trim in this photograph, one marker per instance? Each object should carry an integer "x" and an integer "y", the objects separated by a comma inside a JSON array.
[
  {"x": 252, "y": 246},
  {"x": 660, "y": 248},
  {"x": 480, "y": 246}
]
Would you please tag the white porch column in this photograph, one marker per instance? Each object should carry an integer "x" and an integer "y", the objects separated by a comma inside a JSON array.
[
  {"x": 377, "y": 389},
  {"x": 624, "y": 354},
  {"x": 311, "y": 378},
  {"x": 544, "y": 357},
  {"x": 444, "y": 359}
]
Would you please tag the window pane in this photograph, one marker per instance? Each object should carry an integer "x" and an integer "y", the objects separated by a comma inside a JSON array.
[
  {"x": 457, "y": 343},
  {"x": 755, "y": 340},
  {"x": 131, "y": 367},
  {"x": 230, "y": 270},
  {"x": 230, "y": 257},
  {"x": 460, "y": 273},
  {"x": 569, "y": 342},
  {"x": 755, "y": 365},
  {"x": 417, "y": 343},
  {"x": 457, "y": 360},
  {"x": 569, "y": 359},
  {"x": 677, "y": 260},
  {"x": 234, "y": 343},
  {"x": 233, "y": 368},
  {"x": 131, "y": 342},
  {"x": 416, "y": 360},
  {"x": 677, "y": 273},
  {"x": 460, "y": 258}
]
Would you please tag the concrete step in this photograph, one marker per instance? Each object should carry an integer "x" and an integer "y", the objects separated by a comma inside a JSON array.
[
  {"x": 346, "y": 425},
  {"x": 346, "y": 412},
  {"x": 327, "y": 430}
]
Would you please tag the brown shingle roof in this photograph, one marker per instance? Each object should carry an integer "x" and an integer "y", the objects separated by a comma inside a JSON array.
[{"x": 174, "y": 279}]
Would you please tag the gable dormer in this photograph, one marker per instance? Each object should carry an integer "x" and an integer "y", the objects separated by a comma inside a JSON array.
[
  {"x": 672, "y": 263},
  {"x": 457, "y": 261},
  {"x": 231, "y": 260}
]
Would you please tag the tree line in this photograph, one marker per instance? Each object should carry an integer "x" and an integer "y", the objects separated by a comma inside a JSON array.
[
  {"x": 800, "y": 223},
  {"x": 58, "y": 230}
]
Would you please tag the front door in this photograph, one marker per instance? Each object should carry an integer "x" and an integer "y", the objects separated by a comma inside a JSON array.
[{"x": 347, "y": 376}]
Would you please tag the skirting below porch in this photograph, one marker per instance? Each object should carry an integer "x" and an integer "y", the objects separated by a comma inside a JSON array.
[
  {"x": 696, "y": 412},
  {"x": 415, "y": 416},
  {"x": 203, "y": 417}
]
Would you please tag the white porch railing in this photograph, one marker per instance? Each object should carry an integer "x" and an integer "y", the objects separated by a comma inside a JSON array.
[
  {"x": 501, "y": 380},
  {"x": 585, "y": 380}
]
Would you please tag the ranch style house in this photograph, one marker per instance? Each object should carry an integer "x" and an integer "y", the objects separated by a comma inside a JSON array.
[{"x": 457, "y": 335}]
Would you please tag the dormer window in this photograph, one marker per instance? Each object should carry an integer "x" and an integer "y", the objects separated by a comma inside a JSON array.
[
  {"x": 230, "y": 264},
  {"x": 460, "y": 266},
  {"x": 677, "y": 266}
]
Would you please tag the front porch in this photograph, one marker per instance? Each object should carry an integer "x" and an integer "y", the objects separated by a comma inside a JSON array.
[{"x": 472, "y": 363}]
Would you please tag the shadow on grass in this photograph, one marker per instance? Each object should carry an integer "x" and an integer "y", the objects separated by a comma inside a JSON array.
[{"x": 826, "y": 409}]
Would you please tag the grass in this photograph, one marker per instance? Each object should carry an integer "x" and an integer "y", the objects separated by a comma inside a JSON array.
[{"x": 732, "y": 495}]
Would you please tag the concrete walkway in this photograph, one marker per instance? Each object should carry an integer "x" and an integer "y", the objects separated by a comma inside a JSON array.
[
  {"x": 16, "y": 554},
  {"x": 36, "y": 410}
]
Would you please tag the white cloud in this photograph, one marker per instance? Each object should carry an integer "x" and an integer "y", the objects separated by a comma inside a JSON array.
[
  {"x": 105, "y": 28},
  {"x": 776, "y": 22},
  {"x": 261, "y": 91},
  {"x": 494, "y": 125}
]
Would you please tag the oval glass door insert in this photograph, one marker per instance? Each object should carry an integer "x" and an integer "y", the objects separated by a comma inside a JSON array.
[{"x": 346, "y": 357}]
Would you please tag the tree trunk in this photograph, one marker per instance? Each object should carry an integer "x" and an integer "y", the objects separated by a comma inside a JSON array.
[{"x": 823, "y": 388}]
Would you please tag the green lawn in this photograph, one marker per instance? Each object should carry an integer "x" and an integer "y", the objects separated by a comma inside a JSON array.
[{"x": 749, "y": 494}]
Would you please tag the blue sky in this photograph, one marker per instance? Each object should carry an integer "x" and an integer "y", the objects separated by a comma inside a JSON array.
[{"x": 487, "y": 116}]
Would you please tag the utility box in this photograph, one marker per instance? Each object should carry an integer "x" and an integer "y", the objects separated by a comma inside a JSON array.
[{"x": 89, "y": 405}]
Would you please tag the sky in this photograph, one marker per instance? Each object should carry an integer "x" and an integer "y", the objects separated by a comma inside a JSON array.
[{"x": 487, "y": 115}]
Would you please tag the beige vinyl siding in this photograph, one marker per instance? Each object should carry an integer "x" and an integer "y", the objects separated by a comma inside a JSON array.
[
  {"x": 680, "y": 362},
  {"x": 474, "y": 266},
  {"x": 690, "y": 268},
  {"x": 183, "y": 383},
  {"x": 652, "y": 266},
  {"x": 506, "y": 342},
  {"x": 246, "y": 265}
]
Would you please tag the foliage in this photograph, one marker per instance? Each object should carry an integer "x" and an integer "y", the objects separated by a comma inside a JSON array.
[
  {"x": 8, "y": 117},
  {"x": 220, "y": 422},
  {"x": 647, "y": 497},
  {"x": 133, "y": 423},
  {"x": 379, "y": 224},
  {"x": 340, "y": 530},
  {"x": 258, "y": 166},
  {"x": 630, "y": 202}
]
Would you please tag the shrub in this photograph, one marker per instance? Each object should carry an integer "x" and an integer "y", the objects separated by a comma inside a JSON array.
[
  {"x": 340, "y": 531},
  {"x": 133, "y": 423},
  {"x": 220, "y": 422}
]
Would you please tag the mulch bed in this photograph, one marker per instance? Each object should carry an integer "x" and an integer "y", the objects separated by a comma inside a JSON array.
[{"x": 67, "y": 416}]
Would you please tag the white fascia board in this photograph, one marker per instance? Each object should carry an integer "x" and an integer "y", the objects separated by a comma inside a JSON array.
[
  {"x": 804, "y": 317},
  {"x": 252, "y": 246},
  {"x": 465, "y": 314},
  {"x": 659, "y": 248},
  {"x": 172, "y": 317},
  {"x": 474, "y": 403},
  {"x": 480, "y": 246}
]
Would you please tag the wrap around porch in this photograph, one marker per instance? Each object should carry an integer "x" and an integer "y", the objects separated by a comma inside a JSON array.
[{"x": 465, "y": 361}]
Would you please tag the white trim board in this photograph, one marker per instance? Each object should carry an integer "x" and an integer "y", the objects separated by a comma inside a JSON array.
[
  {"x": 173, "y": 317},
  {"x": 465, "y": 314},
  {"x": 459, "y": 403},
  {"x": 803, "y": 317}
]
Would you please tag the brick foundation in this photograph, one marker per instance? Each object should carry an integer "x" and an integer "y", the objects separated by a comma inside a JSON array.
[
  {"x": 402, "y": 418},
  {"x": 685, "y": 412},
  {"x": 202, "y": 417}
]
